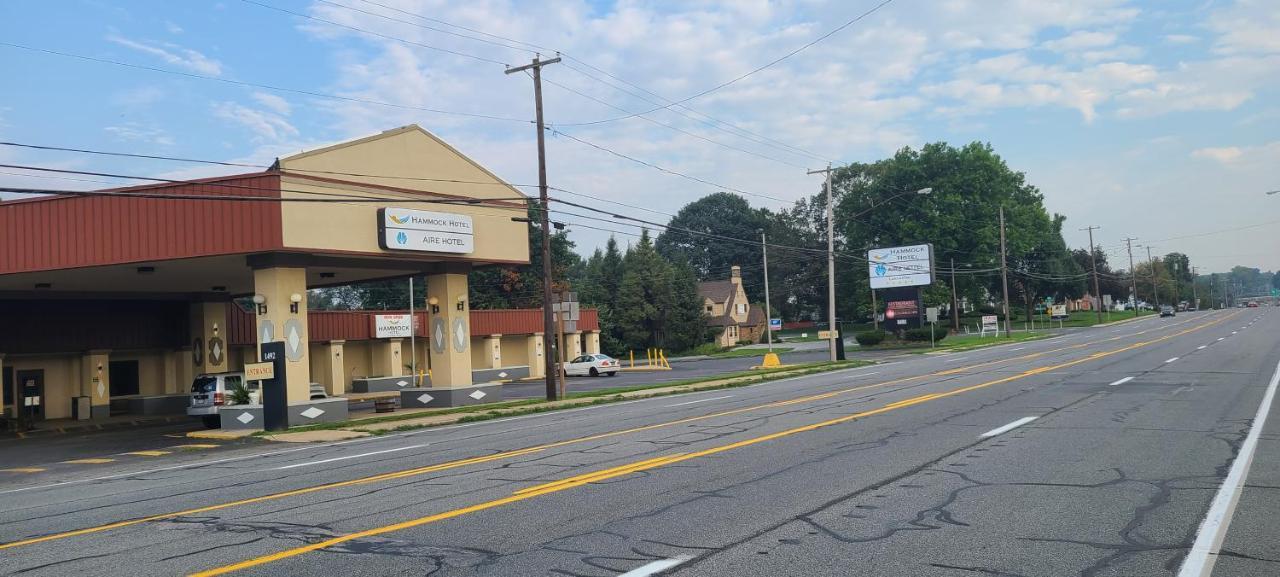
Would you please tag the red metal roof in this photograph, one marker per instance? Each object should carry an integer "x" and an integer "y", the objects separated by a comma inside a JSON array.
[
  {"x": 59, "y": 232},
  {"x": 358, "y": 325}
]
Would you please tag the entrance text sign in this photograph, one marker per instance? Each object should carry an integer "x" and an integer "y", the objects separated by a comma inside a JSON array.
[
  {"x": 392, "y": 326},
  {"x": 900, "y": 266},
  {"x": 259, "y": 371},
  {"x": 425, "y": 231}
]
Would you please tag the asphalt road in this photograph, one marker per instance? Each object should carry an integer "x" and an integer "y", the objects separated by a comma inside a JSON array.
[{"x": 1097, "y": 453}]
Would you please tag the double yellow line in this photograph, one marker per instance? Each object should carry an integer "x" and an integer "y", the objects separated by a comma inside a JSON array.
[
  {"x": 579, "y": 480},
  {"x": 514, "y": 453}
]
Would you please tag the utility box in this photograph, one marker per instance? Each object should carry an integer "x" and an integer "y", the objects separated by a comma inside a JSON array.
[{"x": 81, "y": 408}]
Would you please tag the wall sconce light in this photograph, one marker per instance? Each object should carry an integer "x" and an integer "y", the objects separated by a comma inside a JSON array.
[
  {"x": 215, "y": 329},
  {"x": 294, "y": 299},
  {"x": 44, "y": 285},
  {"x": 261, "y": 301},
  {"x": 435, "y": 305},
  {"x": 146, "y": 269},
  {"x": 462, "y": 302}
]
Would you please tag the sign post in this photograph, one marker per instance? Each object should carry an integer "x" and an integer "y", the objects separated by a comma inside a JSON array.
[
  {"x": 275, "y": 397},
  {"x": 931, "y": 315},
  {"x": 990, "y": 323}
]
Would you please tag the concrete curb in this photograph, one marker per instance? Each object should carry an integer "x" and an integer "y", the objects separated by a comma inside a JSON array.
[{"x": 222, "y": 434}]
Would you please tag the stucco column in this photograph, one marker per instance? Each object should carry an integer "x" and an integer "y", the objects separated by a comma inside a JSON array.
[
  {"x": 593, "y": 343},
  {"x": 336, "y": 372},
  {"x": 573, "y": 348},
  {"x": 493, "y": 348},
  {"x": 279, "y": 322},
  {"x": 533, "y": 350},
  {"x": 169, "y": 373},
  {"x": 387, "y": 359},
  {"x": 450, "y": 329},
  {"x": 95, "y": 382},
  {"x": 186, "y": 368},
  {"x": 208, "y": 324}
]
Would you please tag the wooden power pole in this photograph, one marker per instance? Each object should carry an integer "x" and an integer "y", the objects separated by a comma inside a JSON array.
[
  {"x": 544, "y": 220},
  {"x": 1004, "y": 275},
  {"x": 1093, "y": 261}
]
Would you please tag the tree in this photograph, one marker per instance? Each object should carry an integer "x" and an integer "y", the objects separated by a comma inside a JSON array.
[
  {"x": 657, "y": 302},
  {"x": 723, "y": 215},
  {"x": 500, "y": 287}
]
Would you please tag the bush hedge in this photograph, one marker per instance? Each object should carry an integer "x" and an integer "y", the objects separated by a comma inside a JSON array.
[
  {"x": 922, "y": 335},
  {"x": 869, "y": 338}
]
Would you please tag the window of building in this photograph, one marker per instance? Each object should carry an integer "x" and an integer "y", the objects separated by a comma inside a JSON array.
[{"x": 123, "y": 376}]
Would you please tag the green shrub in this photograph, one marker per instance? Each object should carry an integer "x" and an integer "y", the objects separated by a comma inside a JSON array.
[
  {"x": 239, "y": 394},
  {"x": 869, "y": 338},
  {"x": 922, "y": 335}
]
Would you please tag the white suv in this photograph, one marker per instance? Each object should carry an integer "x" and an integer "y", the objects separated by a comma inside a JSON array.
[{"x": 208, "y": 392}]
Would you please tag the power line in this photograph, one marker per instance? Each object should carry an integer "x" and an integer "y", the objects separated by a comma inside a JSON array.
[
  {"x": 556, "y": 131},
  {"x": 506, "y": 42},
  {"x": 376, "y": 34},
  {"x": 856, "y": 19},
  {"x": 675, "y": 128},
  {"x": 258, "y": 166},
  {"x": 230, "y": 81}
]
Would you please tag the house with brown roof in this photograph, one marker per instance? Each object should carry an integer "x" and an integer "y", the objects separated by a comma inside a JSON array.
[{"x": 727, "y": 310}]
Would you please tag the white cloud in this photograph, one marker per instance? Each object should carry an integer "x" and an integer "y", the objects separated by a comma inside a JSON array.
[
  {"x": 1225, "y": 155},
  {"x": 266, "y": 126},
  {"x": 1181, "y": 39},
  {"x": 1247, "y": 27},
  {"x": 173, "y": 28},
  {"x": 173, "y": 54},
  {"x": 275, "y": 103},
  {"x": 134, "y": 132},
  {"x": 1081, "y": 40}
]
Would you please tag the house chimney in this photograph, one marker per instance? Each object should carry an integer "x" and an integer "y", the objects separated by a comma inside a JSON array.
[{"x": 735, "y": 274}]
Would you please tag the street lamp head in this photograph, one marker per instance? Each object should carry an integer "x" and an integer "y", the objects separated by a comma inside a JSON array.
[
  {"x": 1271, "y": 192},
  {"x": 928, "y": 190}
]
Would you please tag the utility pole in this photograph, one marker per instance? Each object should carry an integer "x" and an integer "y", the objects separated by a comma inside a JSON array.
[
  {"x": 1133, "y": 274},
  {"x": 1195, "y": 296},
  {"x": 831, "y": 264},
  {"x": 1093, "y": 261},
  {"x": 768, "y": 312},
  {"x": 544, "y": 219},
  {"x": 1155, "y": 291},
  {"x": 1004, "y": 275},
  {"x": 955, "y": 303}
]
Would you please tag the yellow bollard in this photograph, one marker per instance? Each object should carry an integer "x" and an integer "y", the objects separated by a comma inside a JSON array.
[
  {"x": 632, "y": 355},
  {"x": 771, "y": 361}
]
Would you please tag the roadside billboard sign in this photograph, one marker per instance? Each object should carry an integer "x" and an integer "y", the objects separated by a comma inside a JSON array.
[
  {"x": 1059, "y": 311},
  {"x": 900, "y": 266},
  {"x": 775, "y": 324},
  {"x": 990, "y": 323}
]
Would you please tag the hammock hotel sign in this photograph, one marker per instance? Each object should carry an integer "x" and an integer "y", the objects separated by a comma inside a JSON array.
[
  {"x": 899, "y": 272},
  {"x": 425, "y": 231}
]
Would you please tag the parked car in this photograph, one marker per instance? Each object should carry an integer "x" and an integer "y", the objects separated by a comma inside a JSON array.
[
  {"x": 592, "y": 365},
  {"x": 1168, "y": 311},
  {"x": 210, "y": 391}
]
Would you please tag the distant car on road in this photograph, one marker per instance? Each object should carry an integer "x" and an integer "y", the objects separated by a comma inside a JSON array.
[
  {"x": 1253, "y": 304},
  {"x": 592, "y": 365},
  {"x": 1168, "y": 311}
]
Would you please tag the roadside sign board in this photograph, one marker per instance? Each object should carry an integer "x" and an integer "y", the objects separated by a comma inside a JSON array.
[
  {"x": 392, "y": 326},
  {"x": 990, "y": 323},
  {"x": 775, "y": 324},
  {"x": 826, "y": 335},
  {"x": 931, "y": 314},
  {"x": 1059, "y": 311},
  {"x": 259, "y": 371},
  {"x": 1106, "y": 301},
  {"x": 900, "y": 266}
]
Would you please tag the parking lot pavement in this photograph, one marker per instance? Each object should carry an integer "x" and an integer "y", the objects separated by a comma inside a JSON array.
[{"x": 55, "y": 454}]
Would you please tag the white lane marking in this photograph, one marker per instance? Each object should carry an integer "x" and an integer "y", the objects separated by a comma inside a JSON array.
[
  {"x": 428, "y": 430},
  {"x": 654, "y": 567},
  {"x": 1007, "y": 428},
  {"x": 1202, "y": 347},
  {"x": 1120, "y": 382},
  {"x": 1171, "y": 360},
  {"x": 369, "y": 454},
  {"x": 1222, "y": 338},
  {"x": 1213, "y": 530},
  {"x": 954, "y": 360},
  {"x": 1234, "y": 332},
  {"x": 1017, "y": 349},
  {"x": 700, "y": 401}
]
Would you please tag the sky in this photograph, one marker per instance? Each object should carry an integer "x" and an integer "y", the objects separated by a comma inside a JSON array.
[{"x": 1150, "y": 119}]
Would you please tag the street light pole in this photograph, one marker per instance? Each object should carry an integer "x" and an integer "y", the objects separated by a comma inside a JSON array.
[{"x": 768, "y": 312}]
